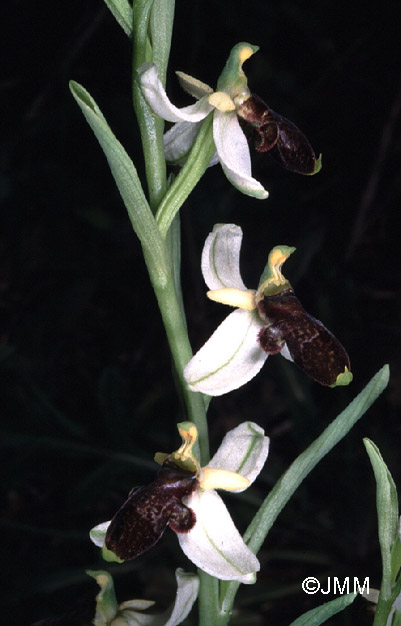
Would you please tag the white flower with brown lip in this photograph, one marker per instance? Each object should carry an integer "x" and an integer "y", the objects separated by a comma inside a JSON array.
[
  {"x": 214, "y": 543},
  {"x": 269, "y": 320},
  {"x": 232, "y": 149}
]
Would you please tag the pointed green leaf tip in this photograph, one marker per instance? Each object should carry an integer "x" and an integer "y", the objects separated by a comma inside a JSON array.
[
  {"x": 343, "y": 379},
  {"x": 232, "y": 79}
]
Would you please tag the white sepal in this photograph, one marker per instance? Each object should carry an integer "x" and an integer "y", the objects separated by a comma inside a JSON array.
[
  {"x": 220, "y": 257},
  {"x": 233, "y": 150},
  {"x": 243, "y": 450},
  {"x": 187, "y": 592},
  {"x": 214, "y": 544},
  {"x": 98, "y": 534},
  {"x": 178, "y": 140},
  {"x": 156, "y": 97},
  {"x": 286, "y": 353},
  {"x": 193, "y": 86},
  {"x": 230, "y": 358}
]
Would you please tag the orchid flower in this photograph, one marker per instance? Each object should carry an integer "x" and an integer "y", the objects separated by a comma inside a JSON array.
[
  {"x": 205, "y": 530},
  {"x": 231, "y": 144},
  {"x": 266, "y": 321},
  {"x": 130, "y": 613}
]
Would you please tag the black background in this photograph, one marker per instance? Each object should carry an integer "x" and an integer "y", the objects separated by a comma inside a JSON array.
[{"x": 86, "y": 390}]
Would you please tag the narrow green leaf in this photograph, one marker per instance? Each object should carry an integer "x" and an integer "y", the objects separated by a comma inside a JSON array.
[
  {"x": 173, "y": 242},
  {"x": 306, "y": 461},
  {"x": 161, "y": 28},
  {"x": 122, "y": 12},
  {"x": 397, "y": 619},
  {"x": 322, "y": 613},
  {"x": 387, "y": 513},
  {"x": 195, "y": 166},
  {"x": 129, "y": 186},
  {"x": 300, "y": 468}
]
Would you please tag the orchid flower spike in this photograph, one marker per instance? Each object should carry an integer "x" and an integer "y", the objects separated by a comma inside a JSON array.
[
  {"x": 183, "y": 496},
  {"x": 231, "y": 144},
  {"x": 131, "y": 612},
  {"x": 266, "y": 321}
]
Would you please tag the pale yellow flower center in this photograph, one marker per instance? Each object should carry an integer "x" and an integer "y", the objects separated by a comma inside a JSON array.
[
  {"x": 209, "y": 477},
  {"x": 239, "y": 298},
  {"x": 222, "y": 479},
  {"x": 221, "y": 101}
]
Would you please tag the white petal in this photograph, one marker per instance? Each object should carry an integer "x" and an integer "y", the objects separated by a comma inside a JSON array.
[
  {"x": 128, "y": 617},
  {"x": 233, "y": 150},
  {"x": 214, "y": 544},
  {"x": 178, "y": 140},
  {"x": 136, "y": 605},
  {"x": 243, "y": 450},
  {"x": 220, "y": 257},
  {"x": 98, "y": 534},
  {"x": 155, "y": 95},
  {"x": 230, "y": 358},
  {"x": 286, "y": 353},
  {"x": 187, "y": 592}
]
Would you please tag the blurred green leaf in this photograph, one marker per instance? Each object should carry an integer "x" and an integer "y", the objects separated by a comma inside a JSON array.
[
  {"x": 305, "y": 462},
  {"x": 321, "y": 614}
]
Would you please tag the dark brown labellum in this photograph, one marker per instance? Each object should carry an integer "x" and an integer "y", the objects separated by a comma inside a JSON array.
[
  {"x": 143, "y": 518},
  {"x": 274, "y": 133},
  {"x": 311, "y": 346}
]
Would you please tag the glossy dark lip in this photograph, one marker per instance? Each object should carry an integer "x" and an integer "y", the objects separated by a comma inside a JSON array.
[
  {"x": 141, "y": 521},
  {"x": 273, "y": 133},
  {"x": 311, "y": 345}
]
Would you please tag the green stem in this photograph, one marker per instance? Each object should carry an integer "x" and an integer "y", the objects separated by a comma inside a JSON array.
[
  {"x": 181, "y": 352},
  {"x": 195, "y": 166},
  {"x": 174, "y": 322},
  {"x": 208, "y": 599},
  {"x": 169, "y": 294},
  {"x": 383, "y": 609},
  {"x": 159, "y": 16},
  {"x": 385, "y": 603}
]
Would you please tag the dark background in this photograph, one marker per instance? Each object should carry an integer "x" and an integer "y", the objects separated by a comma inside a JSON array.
[{"x": 86, "y": 389}]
